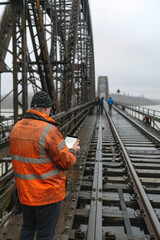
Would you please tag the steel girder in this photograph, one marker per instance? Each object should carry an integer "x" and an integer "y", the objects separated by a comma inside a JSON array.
[
  {"x": 19, "y": 57},
  {"x": 35, "y": 18},
  {"x": 52, "y": 50},
  {"x": 5, "y": 36}
]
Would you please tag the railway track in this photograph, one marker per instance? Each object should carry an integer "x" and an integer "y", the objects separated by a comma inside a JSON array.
[
  {"x": 113, "y": 190},
  {"x": 119, "y": 195}
]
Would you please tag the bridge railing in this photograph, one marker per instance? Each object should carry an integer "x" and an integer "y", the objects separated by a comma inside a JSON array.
[
  {"x": 69, "y": 121},
  {"x": 147, "y": 115}
]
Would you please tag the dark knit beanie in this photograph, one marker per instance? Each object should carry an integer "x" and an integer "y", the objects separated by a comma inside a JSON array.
[{"x": 41, "y": 99}]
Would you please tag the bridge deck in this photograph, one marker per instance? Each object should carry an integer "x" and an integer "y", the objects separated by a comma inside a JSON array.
[{"x": 99, "y": 151}]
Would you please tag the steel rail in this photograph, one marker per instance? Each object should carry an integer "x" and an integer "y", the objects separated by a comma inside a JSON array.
[
  {"x": 95, "y": 216},
  {"x": 154, "y": 138},
  {"x": 154, "y": 223},
  {"x": 5, "y": 3}
]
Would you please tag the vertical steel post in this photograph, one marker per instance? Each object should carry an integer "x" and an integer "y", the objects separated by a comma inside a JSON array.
[
  {"x": 71, "y": 49},
  {"x": 15, "y": 83},
  {"x": 24, "y": 60},
  {"x": 0, "y": 98},
  {"x": 19, "y": 57}
]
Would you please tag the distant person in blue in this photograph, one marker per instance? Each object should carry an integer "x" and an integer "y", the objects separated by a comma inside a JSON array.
[
  {"x": 97, "y": 103},
  {"x": 102, "y": 104},
  {"x": 110, "y": 102}
]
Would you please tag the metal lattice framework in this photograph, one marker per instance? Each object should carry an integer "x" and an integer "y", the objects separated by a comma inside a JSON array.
[{"x": 50, "y": 42}]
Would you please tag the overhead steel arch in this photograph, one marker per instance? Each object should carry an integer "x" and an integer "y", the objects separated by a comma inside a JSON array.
[{"x": 50, "y": 43}]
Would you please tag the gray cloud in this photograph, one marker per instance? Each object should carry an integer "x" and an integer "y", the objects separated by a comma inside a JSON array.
[{"x": 127, "y": 44}]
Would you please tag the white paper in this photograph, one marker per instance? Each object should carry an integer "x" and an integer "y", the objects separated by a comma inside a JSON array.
[{"x": 70, "y": 141}]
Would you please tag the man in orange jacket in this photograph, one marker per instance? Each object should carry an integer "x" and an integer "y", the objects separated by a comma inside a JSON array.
[{"x": 39, "y": 157}]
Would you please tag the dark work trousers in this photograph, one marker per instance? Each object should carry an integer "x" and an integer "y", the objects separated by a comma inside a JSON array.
[
  {"x": 102, "y": 109},
  {"x": 40, "y": 219},
  {"x": 110, "y": 108}
]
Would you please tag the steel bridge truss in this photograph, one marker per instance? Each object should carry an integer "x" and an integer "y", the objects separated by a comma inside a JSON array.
[{"x": 52, "y": 49}]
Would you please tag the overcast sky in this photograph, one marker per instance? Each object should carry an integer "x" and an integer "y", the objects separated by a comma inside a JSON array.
[{"x": 127, "y": 45}]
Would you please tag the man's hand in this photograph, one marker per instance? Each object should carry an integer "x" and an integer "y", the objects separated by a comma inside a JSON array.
[{"x": 76, "y": 146}]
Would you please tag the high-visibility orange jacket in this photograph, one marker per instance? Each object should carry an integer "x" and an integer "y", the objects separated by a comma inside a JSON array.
[{"x": 39, "y": 156}]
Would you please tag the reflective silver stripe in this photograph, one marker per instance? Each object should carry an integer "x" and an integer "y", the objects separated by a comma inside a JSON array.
[
  {"x": 43, "y": 139},
  {"x": 34, "y": 176},
  {"x": 61, "y": 145},
  {"x": 40, "y": 160},
  {"x": 31, "y": 160}
]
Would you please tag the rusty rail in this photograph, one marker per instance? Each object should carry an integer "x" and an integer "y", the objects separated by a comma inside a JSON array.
[{"x": 151, "y": 219}]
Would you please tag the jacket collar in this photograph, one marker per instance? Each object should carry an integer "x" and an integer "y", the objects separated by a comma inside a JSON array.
[{"x": 33, "y": 114}]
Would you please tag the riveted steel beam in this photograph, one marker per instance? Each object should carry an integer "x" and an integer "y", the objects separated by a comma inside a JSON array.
[
  {"x": 19, "y": 57},
  {"x": 34, "y": 14},
  {"x": 55, "y": 39}
]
